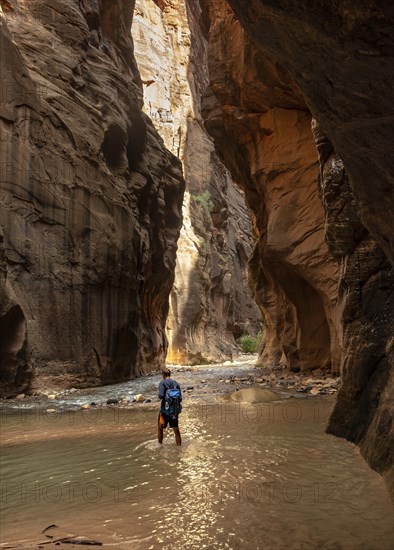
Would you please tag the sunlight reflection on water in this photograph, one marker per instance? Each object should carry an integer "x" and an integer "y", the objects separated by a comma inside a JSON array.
[{"x": 241, "y": 480}]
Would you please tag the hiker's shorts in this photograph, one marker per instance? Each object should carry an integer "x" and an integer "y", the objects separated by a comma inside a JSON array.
[{"x": 173, "y": 422}]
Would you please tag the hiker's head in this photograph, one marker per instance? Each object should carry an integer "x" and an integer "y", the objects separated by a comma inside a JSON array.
[{"x": 166, "y": 373}]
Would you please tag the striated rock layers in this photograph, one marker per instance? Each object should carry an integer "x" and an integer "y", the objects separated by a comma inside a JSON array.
[
  {"x": 321, "y": 265},
  {"x": 90, "y": 200},
  {"x": 340, "y": 56},
  {"x": 366, "y": 295},
  {"x": 211, "y": 304},
  {"x": 263, "y": 132}
]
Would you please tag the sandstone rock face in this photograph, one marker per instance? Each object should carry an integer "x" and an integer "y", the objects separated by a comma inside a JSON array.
[
  {"x": 340, "y": 56},
  {"x": 364, "y": 405},
  {"x": 90, "y": 200},
  {"x": 210, "y": 304},
  {"x": 263, "y": 132},
  {"x": 322, "y": 248}
]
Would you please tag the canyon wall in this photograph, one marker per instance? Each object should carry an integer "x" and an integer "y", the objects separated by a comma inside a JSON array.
[
  {"x": 262, "y": 130},
  {"x": 211, "y": 304},
  {"x": 321, "y": 265},
  {"x": 90, "y": 200},
  {"x": 363, "y": 411},
  {"x": 340, "y": 56}
]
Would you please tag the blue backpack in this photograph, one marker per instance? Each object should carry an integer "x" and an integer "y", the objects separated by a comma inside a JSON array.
[{"x": 172, "y": 402}]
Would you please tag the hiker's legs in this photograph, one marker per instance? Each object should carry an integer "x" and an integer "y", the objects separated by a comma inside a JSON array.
[
  {"x": 160, "y": 431},
  {"x": 177, "y": 436}
]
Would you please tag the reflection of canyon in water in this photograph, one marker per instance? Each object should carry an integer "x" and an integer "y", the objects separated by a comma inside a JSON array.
[{"x": 247, "y": 477}]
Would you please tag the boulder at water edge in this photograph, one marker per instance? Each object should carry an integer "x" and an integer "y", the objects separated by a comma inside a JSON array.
[{"x": 140, "y": 398}]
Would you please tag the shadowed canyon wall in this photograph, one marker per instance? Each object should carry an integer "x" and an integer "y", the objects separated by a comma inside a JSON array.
[
  {"x": 211, "y": 304},
  {"x": 321, "y": 265},
  {"x": 90, "y": 200},
  {"x": 363, "y": 411}
]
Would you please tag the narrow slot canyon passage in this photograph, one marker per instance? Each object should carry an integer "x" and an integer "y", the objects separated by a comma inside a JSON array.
[
  {"x": 210, "y": 303},
  {"x": 196, "y": 275}
]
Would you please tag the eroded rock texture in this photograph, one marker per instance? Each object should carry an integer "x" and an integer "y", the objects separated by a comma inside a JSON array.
[
  {"x": 320, "y": 268},
  {"x": 90, "y": 199},
  {"x": 211, "y": 304},
  {"x": 340, "y": 56},
  {"x": 366, "y": 293},
  {"x": 263, "y": 131}
]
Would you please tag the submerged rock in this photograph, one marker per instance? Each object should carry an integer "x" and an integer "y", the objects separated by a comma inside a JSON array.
[{"x": 254, "y": 395}]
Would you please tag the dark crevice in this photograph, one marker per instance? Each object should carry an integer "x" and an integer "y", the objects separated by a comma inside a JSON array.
[
  {"x": 113, "y": 146},
  {"x": 12, "y": 342},
  {"x": 136, "y": 140}
]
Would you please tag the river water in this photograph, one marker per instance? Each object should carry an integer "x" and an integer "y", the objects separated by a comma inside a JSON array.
[{"x": 247, "y": 477}]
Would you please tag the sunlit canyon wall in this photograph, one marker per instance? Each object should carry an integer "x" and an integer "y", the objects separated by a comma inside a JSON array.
[{"x": 211, "y": 304}]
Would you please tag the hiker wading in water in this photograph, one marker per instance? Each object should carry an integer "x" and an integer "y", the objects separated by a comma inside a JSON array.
[{"x": 171, "y": 397}]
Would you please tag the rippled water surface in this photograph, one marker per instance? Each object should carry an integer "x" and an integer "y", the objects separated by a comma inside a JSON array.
[{"x": 262, "y": 476}]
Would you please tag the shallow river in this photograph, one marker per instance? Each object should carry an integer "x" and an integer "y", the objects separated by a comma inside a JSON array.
[{"x": 248, "y": 477}]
